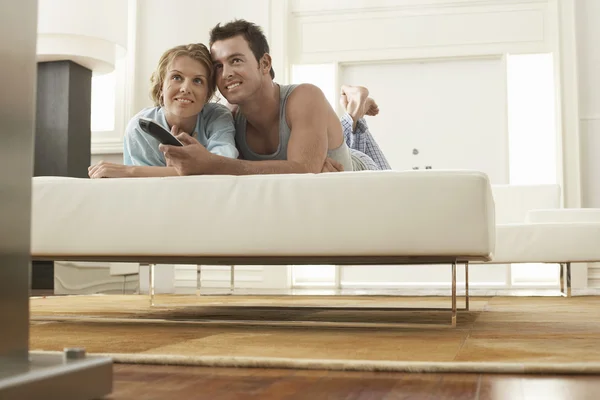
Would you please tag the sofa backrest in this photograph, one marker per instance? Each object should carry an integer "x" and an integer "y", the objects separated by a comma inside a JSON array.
[{"x": 512, "y": 202}]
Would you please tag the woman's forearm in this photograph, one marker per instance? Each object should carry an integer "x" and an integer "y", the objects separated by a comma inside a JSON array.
[{"x": 147, "y": 172}]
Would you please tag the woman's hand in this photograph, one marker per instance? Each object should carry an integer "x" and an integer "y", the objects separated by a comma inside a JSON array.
[{"x": 109, "y": 170}]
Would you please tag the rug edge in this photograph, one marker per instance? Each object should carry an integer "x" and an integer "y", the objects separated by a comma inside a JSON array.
[{"x": 351, "y": 365}]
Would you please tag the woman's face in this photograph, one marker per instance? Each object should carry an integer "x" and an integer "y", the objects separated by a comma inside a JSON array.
[{"x": 185, "y": 87}]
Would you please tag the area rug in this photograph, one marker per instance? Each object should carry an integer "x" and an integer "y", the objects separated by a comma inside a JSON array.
[{"x": 497, "y": 335}]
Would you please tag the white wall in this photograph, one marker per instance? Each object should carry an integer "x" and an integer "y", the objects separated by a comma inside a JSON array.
[
  {"x": 453, "y": 112},
  {"x": 588, "y": 63},
  {"x": 404, "y": 29},
  {"x": 588, "y": 57},
  {"x": 436, "y": 67}
]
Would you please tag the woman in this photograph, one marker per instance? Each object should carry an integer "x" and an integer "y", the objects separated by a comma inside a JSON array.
[{"x": 182, "y": 87}]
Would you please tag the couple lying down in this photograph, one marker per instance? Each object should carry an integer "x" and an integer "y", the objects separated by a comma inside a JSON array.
[{"x": 288, "y": 128}]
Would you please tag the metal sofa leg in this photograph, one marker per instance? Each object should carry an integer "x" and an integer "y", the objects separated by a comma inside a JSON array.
[
  {"x": 151, "y": 283},
  {"x": 562, "y": 278},
  {"x": 231, "y": 278},
  {"x": 565, "y": 266},
  {"x": 198, "y": 279},
  {"x": 568, "y": 279},
  {"x": 467, "y": 285},
  {"x": 454, "y": 294}
]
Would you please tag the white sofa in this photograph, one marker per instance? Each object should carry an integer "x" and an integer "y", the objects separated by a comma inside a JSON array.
[
  {"x": 340, "y": 218},
  {"x": 384, "y": 217},
  {"x": 533, "y": 228}
]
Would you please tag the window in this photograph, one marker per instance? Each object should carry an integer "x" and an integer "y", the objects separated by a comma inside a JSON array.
[
  {"x": 321, "y": 75},
  {"x": 314, "y": 275},
  {"x": 531, "y": 119},
  {"x": 103, "y": 102},
  {"x": 532, "y": 137},
  {"x": 112, "y": 94}
]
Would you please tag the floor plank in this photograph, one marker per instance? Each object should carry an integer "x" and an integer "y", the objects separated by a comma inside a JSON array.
[{"x": 166, "y": 382}]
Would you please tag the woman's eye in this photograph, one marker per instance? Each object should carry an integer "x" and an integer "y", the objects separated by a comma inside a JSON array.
[
  {"x": 198, "y": 81},
  {"x": 176, "y": 77}
]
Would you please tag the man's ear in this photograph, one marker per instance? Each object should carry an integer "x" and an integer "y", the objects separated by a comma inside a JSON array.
[{"x": 265, "y": 63}]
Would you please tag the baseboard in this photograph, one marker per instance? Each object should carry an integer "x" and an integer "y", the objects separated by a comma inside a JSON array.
[
  {"x": 388, "y": 292},
  {"x": 90, "y": 278}
]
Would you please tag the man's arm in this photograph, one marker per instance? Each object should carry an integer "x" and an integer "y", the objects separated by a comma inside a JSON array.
[
  {"x": 307, "y": 112},
  {"x": 307, "y": 115}
]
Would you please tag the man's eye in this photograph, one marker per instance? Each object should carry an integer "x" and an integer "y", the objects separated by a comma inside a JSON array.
[
  {"x": 236, "y": 60},
  {"x": 218, "y": 66}
]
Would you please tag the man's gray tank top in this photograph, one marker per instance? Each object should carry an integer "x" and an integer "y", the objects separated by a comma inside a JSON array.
[{"x": 341, "y": 154}]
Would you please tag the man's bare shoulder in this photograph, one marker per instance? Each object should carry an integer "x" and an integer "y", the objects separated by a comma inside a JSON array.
[
  {"x": 306, "y": 92},
  {"x": 305, "y": 98}
]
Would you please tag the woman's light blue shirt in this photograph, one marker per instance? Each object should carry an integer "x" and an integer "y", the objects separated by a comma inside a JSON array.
[{"x": 215, "y": 130}]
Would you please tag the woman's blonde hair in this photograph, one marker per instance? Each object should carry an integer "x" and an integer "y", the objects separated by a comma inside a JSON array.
[{"x": 196, "y": 51}]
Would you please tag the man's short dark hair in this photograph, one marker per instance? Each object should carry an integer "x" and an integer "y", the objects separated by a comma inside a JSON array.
[{"x": 252, "y": 33}]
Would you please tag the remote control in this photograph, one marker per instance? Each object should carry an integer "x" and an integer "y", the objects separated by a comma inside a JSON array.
[{"x": 159, "y": 133}]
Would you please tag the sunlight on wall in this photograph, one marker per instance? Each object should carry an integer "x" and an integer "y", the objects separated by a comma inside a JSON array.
[
  {"x": 532, "y": 132},
  {"x": 103, "y": 102},
  {"x": 532, "y": 136},
  {"x": 313, "y": 275},
  {"x": 321, "y": 75}
]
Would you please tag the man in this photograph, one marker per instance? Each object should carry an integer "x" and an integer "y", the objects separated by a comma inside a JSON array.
[{"x": 289, "y": 129}]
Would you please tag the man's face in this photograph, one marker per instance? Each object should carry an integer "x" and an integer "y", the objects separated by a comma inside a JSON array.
[{"x": 237, "y": 72}]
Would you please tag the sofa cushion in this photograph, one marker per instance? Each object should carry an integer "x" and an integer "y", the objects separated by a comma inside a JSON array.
[
  {"x": 564, "y": 215},
  {"x": 371, "y": 213},
  {"x": 547, "y": 242}
]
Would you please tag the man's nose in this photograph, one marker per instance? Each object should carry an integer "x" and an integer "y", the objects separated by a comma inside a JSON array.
[{"x": 226, "y": 71}]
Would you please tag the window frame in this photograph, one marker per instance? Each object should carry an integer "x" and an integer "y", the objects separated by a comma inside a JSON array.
[{"x": 111, "y": 142}]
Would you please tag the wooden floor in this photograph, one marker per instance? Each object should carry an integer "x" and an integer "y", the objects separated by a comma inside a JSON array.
[{"x": 170, "y": 382}]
